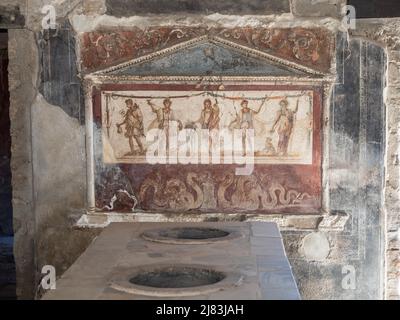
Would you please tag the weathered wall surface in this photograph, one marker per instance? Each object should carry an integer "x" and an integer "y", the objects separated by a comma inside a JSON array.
[
  {"x": 59, "y": 185},
  {"x": 23, "y": 70},
  {"x": 49, "y": 152},
  {"x": 124, "y": 8},
  {"x": 58, "y": 68},
  {"x": 385, "y": 32},
  {"x": 5, "y": 154},
  {"x": 356, "y": 157}
]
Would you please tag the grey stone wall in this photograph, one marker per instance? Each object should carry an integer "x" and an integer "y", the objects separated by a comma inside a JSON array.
[
  {"x": 356, "y": 178},
  {"x": 385, "y": 32},
  {"x": 48, "y": 158},
  {"x": 23, "y": 69}
]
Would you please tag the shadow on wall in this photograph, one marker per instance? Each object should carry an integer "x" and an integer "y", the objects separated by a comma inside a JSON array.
[
  {"x": 7, "y": 265},
  {"x": 127, "y": 8}
]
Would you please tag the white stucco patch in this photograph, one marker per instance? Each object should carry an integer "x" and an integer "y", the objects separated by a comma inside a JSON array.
[{"x": 315, "y": 246}]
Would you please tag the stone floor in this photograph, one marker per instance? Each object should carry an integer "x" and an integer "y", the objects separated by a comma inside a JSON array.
[
  {"x": 258, "y": 255},
  {"x": 7, "y": 269}
]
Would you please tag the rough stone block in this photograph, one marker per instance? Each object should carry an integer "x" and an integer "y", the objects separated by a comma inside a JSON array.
[
  {"x": 11, "y": 17},
  {"x": 93, "y": 7},
  {"x": 306, "y": 223},
  {"x": 394, "y": 72},
  {"x": 318, "y": 8}
]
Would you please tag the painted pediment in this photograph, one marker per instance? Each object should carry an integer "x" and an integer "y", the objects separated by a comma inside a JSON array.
[{"x": 209, "y": 57}]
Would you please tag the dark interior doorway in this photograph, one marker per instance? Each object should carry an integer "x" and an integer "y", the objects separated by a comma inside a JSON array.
[
  {"x": 7, "y": 266},
  {"x": 376, "y": 8}
]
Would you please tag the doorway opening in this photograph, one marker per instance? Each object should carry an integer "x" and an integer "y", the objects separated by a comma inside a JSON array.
[{"x": 7, "y": 264}]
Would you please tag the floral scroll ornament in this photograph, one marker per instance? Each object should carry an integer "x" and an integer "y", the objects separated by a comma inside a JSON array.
[
  {"x": 267, "y": 38},
  {"x": 302, "y": 43},
  {"x": 305, "y": 45},
  {"x": 255, "y": 38}
]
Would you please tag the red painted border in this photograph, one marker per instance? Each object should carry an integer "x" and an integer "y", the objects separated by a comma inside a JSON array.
[{"x": 312, "y": 173}]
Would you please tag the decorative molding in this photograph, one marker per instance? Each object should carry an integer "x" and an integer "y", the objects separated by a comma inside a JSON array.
[
  {"x": 286, "y": 222},
  {"x": 334, "y": 221},
  {"x": 218, "y": 41},
  {"x": 90, "y": 163},
  {"x": 309, "y": 48},
  {"x": 99, "y": 79},
  {"x": 250, "y": 193}
]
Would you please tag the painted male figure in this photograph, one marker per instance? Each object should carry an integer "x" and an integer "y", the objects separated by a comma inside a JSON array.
[
  {"x": 164, "y": 119},
  {"x": 164, "y": 116},
  {"x": 133, "y": 121},
  {"x": 209, "y": 118},
  {"x": 245, "y": 121}
]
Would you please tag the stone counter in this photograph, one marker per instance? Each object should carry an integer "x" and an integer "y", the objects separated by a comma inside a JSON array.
[{"x": 255, "y": 254}]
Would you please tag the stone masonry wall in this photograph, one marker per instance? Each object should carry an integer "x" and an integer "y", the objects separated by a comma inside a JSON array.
[{"x": 386, "y": 32}]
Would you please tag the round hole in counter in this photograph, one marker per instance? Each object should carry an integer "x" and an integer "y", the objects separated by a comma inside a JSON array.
[
  {"x": 190, "y": 235},
  {"x": 174, "y": 280},
  {"x": 177, "y": 277}
]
